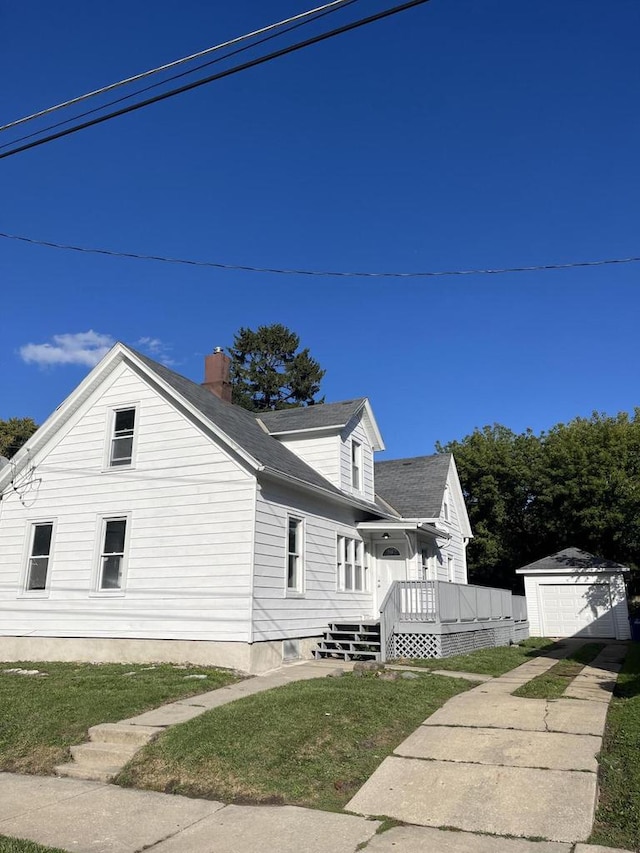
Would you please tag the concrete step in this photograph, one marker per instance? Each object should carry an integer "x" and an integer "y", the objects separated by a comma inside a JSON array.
[
  {"x": 103, "y": 754},
  {"x": 123, "y": 733},
  {"x": 80, "y": 771}
]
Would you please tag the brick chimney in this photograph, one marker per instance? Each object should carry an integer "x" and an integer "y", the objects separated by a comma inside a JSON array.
[{"x": 216, "y": 374}]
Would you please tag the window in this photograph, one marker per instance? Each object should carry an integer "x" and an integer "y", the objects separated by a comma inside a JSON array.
[
  {"x": 428, "y": 569},
  {"x": 121, "y": 452},
  {"x": 445, "y": 506},
  {"x": 451, "y": 569},
  {"x": 353, "y": 573},
  {"x": 356, "y": 465},
  {"x": 391, "y": 552},
  {"x": 40, "y": 553},
  {"x": 112, "y": 556},
  {"x": 294, "y": 555}
]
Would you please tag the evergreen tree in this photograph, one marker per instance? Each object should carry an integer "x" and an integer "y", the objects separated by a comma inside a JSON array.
[{"x": 268, "y": 373}]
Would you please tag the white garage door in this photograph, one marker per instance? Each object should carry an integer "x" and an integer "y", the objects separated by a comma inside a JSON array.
[{"x": 576, "y": 609}]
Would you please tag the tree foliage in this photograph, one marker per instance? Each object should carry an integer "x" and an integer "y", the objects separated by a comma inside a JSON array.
[
  {"x": 532, "y": 495},
  {"x": 14, "y": 433},
  {"x": 267, "y": 372}
]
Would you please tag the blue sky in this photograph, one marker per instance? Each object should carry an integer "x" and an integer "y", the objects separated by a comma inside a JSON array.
[{"x": 458, "y": 134}]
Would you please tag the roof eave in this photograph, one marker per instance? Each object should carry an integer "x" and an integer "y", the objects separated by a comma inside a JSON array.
[
  {"x": 574, "y": 570},
  {"x": 339, "y": 497}
]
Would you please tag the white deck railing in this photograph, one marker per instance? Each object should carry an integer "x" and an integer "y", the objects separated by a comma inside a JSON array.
[{"x": 431, "y": 601}]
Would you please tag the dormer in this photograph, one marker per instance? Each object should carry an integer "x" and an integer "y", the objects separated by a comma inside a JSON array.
[{"x": 337, "y": 439}]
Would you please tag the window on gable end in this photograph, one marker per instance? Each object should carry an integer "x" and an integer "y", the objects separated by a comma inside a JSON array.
[
  {"x": 121, "y": 449},
  {"x": 356, "y": 465}
]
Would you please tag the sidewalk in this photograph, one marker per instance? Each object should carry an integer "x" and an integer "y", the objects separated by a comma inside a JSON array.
[
  {"x": 494, "y": 763},
  {"x": 486, "y": 762}
]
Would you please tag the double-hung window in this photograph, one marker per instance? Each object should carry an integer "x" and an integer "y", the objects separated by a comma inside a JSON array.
[
  {"x": 356, "y": 465},
  {"x": 39, "y": 556},
  {"x": 295, "y": 556},
  {"x": 352, "y": 570},
  {"x": 121, "y": 449},
  {"x": 112, "y": 554}
]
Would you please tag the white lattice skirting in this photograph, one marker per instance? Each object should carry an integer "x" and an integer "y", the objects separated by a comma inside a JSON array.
[{"x": 446, "y": 645}]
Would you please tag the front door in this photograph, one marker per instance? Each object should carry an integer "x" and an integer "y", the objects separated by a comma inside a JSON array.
[{"x": 391, "y": 566}]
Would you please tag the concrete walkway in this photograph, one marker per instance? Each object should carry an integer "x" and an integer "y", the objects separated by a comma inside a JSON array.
[
  {"x": 494, "y": 763},
  {"x": 112, "y": 745}
]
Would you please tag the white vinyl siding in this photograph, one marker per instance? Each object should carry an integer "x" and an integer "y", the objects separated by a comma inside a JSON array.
[
  {"x": 455, "y": 547},
  {"x": 191, "y": 507},
  {"x": 321, "y": 452},
  {"x": 277, "y": 616},
  {"x": 356, "y": 434}
]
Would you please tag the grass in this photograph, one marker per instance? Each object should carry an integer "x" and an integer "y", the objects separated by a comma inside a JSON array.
[
  {"x": 552, "y": 683},
  {"x": 488, "y": 661},
  {"x": 43, "y": 715},
  {"x": 617, "y": 821},
  {"x": 18, "y": 845},
  {"x": 310, "y": 743}
]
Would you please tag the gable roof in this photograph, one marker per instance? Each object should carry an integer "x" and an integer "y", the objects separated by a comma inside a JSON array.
[
  {"x": 320, "y": 416},
  {"x": 239, "y": 427},
  {"x": 415, "y": 487},
  {"x": 572, "y": 559},
  {"x": 242, "y": 427},
  {"x": 324, "y": 416}
]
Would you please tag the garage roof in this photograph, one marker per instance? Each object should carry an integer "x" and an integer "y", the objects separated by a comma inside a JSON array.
[{"x": 572, "y": 560}]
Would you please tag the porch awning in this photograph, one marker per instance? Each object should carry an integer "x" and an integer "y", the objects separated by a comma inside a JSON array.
[{"x": 404, "y": 524}]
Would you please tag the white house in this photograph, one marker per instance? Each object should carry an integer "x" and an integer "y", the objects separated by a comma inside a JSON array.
[{"x": 150, "y": 519}]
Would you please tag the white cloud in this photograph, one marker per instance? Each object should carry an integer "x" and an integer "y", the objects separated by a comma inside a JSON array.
[
  {"x": 86, "y": 348},
  {"x": 156, "y": 349}
]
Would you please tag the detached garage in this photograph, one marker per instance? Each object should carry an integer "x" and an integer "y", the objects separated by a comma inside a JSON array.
[{"x": 575, "y": 594}]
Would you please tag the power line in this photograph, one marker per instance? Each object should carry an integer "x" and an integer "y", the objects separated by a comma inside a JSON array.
[
  {"x": 332, "y": 5},
  {"x": 318, "y": 273},
  {"x": 220, "y": 75},
  {"x": 328, "y": 11}
]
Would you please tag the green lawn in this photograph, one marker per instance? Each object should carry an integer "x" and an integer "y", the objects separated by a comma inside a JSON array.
[
  {"x": 43, "y": 715},
  {"x": 618, "y": 817},
  {"x": 552, "y": 683},
  {"x": 310, "y": 743},
  {"x": 17, "y": 845},
  {"x": 488, "y": 661}
]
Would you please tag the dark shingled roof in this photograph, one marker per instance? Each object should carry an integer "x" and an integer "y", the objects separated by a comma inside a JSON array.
[
  {"x": 242, "y": 427},
  {"x": 312, "y": 417},
  {"x": 572, "y": 559},
  {"x": 415, "y": 487}
]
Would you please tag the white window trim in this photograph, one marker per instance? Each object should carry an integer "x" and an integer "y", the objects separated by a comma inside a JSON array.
[
  {"x": 111, "y": 423},
  {"x": 344, "y": 544},
  {"x": 23, "y": 592},
  {"x": 299, "y": 590},
  {"x": 451, "y": 568},
  {"x": 101, "y": 529},
  {"x": 356, "y": 465}
]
